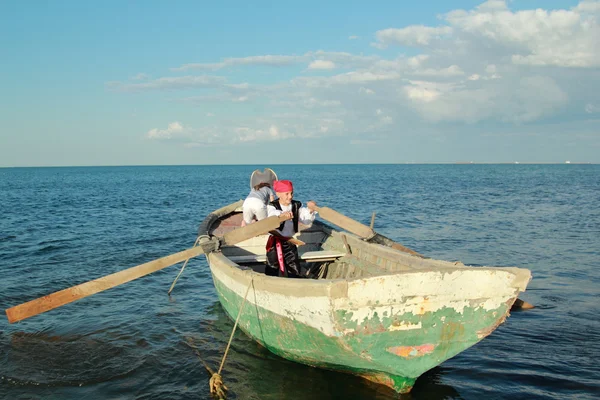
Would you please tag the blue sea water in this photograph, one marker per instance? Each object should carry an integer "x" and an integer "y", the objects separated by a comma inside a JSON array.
[{"x": 64, "y": 226}]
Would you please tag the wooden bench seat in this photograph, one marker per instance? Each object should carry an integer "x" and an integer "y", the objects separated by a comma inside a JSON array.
[{"x": 311, "y": 256}]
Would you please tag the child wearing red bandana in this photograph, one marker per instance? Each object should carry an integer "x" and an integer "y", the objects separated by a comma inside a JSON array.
[{"x": 282, "y": 256}]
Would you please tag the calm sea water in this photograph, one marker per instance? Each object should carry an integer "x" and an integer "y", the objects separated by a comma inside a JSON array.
[{"x": 63, "y": 226}]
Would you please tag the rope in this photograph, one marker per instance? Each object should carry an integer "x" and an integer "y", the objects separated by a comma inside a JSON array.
[
  {"x": 182, "y": 268},
  {"x": 235, "y": 326},
  {"x": 215, "y": 384}
]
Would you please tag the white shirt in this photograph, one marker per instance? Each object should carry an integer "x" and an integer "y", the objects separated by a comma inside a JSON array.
[{"x": 305, "y": 216}]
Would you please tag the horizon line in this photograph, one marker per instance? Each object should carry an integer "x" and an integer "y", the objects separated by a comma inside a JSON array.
[{"x": 340, "y": 163}]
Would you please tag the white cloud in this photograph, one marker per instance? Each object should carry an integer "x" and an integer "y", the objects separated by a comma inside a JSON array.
[
  {"x": 174, "y": 130},
  {"x": 453, "y": 70},
  {"x": 274, "y": 132},
  {"x": 353, "y": 37},
  {"x": 313, "y": 102},
  {"x": 590, "y": 6},
  {"x": 343, "y": 59},
  {"x": 421, "y": 92},
  {"x": 569, "y": 38},
  {"x": 251, "y": 134},
  {"x": 417, "y": 61},
  {"x": 592, "y": 108},
  {"x": 238, "y": 86},
  {"x": 170, "y": 83},
  {"x": 321, "y": 64},
  {"x": 140, "y": 77},
  {"x": 526, "y": 100},
  {"x": 354, "y": 77},
  {"x": 493, "y": 5},
  {"x": 415, "y": 35},
  {"x": 266, "y": 60}
]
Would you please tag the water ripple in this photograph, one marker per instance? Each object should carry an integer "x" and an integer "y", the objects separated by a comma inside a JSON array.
[{"x": 63, "y": 226}]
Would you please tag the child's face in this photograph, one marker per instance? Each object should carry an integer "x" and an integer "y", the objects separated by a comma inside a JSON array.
[{"x": 285, "y": 198}]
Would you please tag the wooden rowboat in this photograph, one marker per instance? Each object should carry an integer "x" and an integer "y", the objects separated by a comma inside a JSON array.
[{"x": 368, "y": 308}]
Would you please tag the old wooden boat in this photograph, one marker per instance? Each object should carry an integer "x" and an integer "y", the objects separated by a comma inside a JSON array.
[{"x": 368, "y": 307}]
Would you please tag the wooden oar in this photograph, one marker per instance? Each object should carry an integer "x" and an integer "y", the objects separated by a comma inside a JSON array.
[
  {"x": 291, "y": 240},
  {"x": 369, "y": 234},
  {"x": 65, "y": 296},
  {"x": 345, "y": 222},
  {"x": 361, "y": 230}
]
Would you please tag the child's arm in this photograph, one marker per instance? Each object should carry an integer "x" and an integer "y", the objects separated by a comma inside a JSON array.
[
  {"x": 308, "y": 214},
  {"x": 271, "y": 195}
]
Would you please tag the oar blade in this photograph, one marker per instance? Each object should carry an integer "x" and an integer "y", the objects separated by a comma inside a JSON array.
[{"x": 65, "y": 296}]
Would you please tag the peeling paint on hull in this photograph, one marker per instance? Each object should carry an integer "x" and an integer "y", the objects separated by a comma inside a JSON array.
[{"x": 391, "y": 341}]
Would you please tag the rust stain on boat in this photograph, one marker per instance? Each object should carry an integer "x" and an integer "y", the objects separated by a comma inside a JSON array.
[
  {"x": 424, "y": 306},
  {"x": 412, "y": 351},
  {"x": 381, "y": 379},
  {"x": 452, "y": 331}
]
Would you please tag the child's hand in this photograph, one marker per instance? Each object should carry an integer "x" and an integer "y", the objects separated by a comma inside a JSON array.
[
  {"x": 287, "y": 215},
  {"x": 311, "y": 205}
]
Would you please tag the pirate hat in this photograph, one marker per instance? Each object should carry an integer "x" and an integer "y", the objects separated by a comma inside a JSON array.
[{"x": 266, "y": 176}]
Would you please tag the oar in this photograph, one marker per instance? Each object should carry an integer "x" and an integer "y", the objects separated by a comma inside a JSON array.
[
  {"x": 65, "y": 296},
  {"x": 345, "y": 222},
  {"x": 370, "y": 235},
  {"x": 361, "y": 230},
  {"x": 291, "y": 240}
]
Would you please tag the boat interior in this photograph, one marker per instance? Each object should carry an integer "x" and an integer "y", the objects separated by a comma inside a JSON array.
[{"x": 326, "y": 253}]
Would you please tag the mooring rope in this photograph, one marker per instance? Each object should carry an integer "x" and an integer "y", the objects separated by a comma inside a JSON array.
[
  {"x": 182, "y": 268},
  {"x": 215, "y": 384},
  {"x": 234, "y": 326}
]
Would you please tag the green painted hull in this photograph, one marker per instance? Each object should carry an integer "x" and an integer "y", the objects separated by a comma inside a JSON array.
[
  {"x": 376, "y": 311},
  {"x": 377, "y": 348}
]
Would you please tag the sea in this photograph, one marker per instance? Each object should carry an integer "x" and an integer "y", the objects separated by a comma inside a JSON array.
[{"x": 63, "y": 226}]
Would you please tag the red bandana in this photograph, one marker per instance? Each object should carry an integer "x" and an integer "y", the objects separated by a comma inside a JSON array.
[{"x": 283, "y": 186}]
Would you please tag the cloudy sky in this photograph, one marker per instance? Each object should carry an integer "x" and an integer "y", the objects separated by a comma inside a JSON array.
[{"x": 196, "y": 82}]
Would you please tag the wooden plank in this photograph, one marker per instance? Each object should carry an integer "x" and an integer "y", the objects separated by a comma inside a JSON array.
[
  {"x": 314, "y": 255},
  {"x": 320, "y": 255},
  {"x": 248, "y": 258}
]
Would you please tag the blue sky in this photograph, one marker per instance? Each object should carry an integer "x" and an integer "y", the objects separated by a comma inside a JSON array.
[{"x": 189, "y": 82}]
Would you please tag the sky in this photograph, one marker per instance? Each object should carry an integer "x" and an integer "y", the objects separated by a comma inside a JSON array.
[{"x": 275, "y": 82}]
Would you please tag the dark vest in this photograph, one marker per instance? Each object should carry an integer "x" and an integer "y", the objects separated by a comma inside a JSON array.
[{"x": 295, "y": 211}]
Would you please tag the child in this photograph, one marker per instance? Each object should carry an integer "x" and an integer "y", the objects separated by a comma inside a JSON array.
[
  {"x": 255, "y": 205},
  {"x": 282, "y": 256}
]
